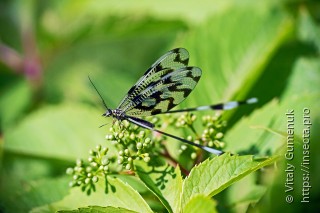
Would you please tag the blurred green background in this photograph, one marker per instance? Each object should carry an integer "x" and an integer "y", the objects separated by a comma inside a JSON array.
[{"x": 49, "y": 112}]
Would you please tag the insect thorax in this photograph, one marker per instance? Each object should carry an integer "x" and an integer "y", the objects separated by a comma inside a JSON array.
[{"x": 115, "y": 113}]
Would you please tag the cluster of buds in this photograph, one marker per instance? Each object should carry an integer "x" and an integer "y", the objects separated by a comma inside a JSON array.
[
  {"x": 212, "y": 134},
  {"x": 132, "y": 143},
  {"x": 85, "y": 175}
]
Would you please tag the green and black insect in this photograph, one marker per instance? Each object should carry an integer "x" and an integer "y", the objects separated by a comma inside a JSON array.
[{"x": 163, "y": 86}]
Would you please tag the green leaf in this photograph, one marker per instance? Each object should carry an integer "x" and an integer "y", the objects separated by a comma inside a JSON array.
[
  {"x": 165, "y": 182},
  {"x": 98, "y": 209},
  {"x": 34, "y": 193},
  {"x": 112, "y": 193},
  {"x": 63, "y": 132},
  {"x": 201, "y": 204},
  {"x": 14, "y": 102},
  {"x": 244, "y": 193},
  {"x": 307, "y": 28},
  {"x": 212, "y": 176},
  {"x": 304, "y": 80},
  {"x": 251, "y": 134},
  {"x": 302, "y": 91},
  {"x": 232, "y": 50}
]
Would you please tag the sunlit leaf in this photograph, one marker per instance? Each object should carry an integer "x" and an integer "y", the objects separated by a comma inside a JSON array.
[
  {"x": 98, "y": 209},
  {"x": 113, "y": 193},
  {"x": 165, "y": 182},
  {"x": 212, "y": 176}
]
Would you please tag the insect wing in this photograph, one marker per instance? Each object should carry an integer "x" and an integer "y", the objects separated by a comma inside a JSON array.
[
  {"x": 172, "y": 60},
  {"x": 164, "y": 94}
]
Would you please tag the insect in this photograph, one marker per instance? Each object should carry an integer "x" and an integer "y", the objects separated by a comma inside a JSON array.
[{"x": 163, "y": 86}]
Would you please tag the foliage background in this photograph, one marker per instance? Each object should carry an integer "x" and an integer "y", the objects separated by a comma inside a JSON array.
[{"x": 49, "y": 113}]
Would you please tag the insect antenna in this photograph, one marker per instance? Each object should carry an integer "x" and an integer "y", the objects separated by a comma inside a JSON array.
[
  {"x": 103, "y": 125},
  {"x": 103, "y": 102}
]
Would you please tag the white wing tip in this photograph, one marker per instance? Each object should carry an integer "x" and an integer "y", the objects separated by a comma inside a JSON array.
[
  {"x": 212, "y": 150},
  {"x": 252, "y": 100}
]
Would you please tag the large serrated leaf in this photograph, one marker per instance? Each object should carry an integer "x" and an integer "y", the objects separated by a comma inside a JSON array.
[
  {"x": 112, "y": 193},
  {"x": 212, "y": 176},
  {"x": 165, "y": 182}
]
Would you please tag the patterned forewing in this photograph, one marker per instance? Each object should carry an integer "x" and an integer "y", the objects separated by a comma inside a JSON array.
[
  {"x": 164, "y": 94},
  {"x": 172, "y": 60}
]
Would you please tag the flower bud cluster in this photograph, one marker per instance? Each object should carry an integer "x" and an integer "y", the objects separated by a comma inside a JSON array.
[
  {"x": 85, "y": 175},
  {"x": 213, "y": 132},
  {"x": 132, "y": 143}
]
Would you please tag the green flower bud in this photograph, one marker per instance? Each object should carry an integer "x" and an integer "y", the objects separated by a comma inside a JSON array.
[
  {"x": 104, "y": 151},
  {"x": 92, "y": 153},
  {"x": 147, "y": 140},
  {"x": 142, "y": 133},
  {"x": 132, "y": 136},
  {"x": 87, "y": 180},
  {"x": 183, "y": 147},
  {"x": 139, "y": 145},
  {"x": 121, "y": 135},
  {"x": 95, "y": 179},
  {"x": 128, "y": 167},
  {"x": 219, "y": 135},
  {"x": 146, "y": 159},
  {"x": 98, "y": 147},
  {"x": 72, "y": 184},
  {"x": 88, "y": 169},
  {"x": 120, "y": 160},
  {"x": 193, "y": 155},
  {"x": 105, "y": 160},
  {"x": 209, "y": 124},
  {"x": 69, "y": 171},
  {"x": 154, "y": 120},
  {"x": 126, "y": 123},
  {"x": 79, "y": 162}
]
